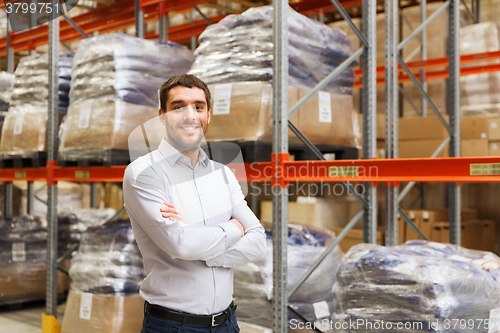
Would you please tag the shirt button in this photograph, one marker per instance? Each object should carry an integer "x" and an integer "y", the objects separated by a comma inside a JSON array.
[
  {"x": 218, "y": 295},
  {"x": 215, "y": 262}
]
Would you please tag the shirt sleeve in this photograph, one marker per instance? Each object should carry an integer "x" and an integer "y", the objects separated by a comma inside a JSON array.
[
  {"x": 144, "y": 195},
  {"x": 250, "y": 248}
]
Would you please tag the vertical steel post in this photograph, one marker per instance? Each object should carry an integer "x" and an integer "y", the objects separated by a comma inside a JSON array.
[
  {"x": 454, "y": 113},
  {"x": 193, "y": 38},
  {"x": 8, "y": 199},
  {"x": 93, "y": 195},
  {"x": 10, "y": 50},
  {"x": 31, "y": 198},
  {"x": 51, "y": 290},
  {"x": 163, "y": 23},
  {"x": 391, "y": 115},
  {"x": 476, "y": 8},
  {"x": 280, "y": 145},
  {"x": 369, "y": 103},
  {"x": 423, "y": 81},
  {"x": 139, "y": 19}
]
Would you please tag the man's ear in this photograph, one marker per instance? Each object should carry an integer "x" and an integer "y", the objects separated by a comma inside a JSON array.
[
  {"x": 162, "y": 115},
  {"x": 208, "y": 119}
]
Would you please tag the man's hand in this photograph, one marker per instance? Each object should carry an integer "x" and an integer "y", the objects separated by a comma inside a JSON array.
[
  {"x": 173, "y": 213},
  {"x": 238, "y": 224}
]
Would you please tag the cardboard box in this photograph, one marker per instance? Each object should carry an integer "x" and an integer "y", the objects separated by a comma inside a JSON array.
[
  {"x": 494, "y": 148},
  {"x": 250, "y": 112},
  {"x": 476, "y": 234},
  {"x": 380, "y": 126},
  {"x": 475, "y": 148},
  {"x": 473, "y": 128},
  {"x": 323, "y": 213},
  {"x": 106, "y": 313},
  {"x": 404, "y": 230},
  {"x": 421, "y": 148},
  {"x": 355, "y": 236},
  {"x": 18, "y": 282},
  {"x": 416, "y": 128}
]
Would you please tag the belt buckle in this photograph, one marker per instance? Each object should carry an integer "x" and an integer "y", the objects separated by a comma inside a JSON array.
[{"x": 213, "y": 320}]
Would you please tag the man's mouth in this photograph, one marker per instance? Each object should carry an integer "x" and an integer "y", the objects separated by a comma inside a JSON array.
[{"x": 189, "y": 129}]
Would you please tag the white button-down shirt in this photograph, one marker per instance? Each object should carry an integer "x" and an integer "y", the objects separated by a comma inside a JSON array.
[{"x": 188, "y": 266}]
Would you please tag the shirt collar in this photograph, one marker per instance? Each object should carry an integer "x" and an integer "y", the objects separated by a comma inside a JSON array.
[{"x": 172, "y": 155}]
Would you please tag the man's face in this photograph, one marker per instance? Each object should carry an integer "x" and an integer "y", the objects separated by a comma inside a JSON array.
[{"x": 187, "y": 117}]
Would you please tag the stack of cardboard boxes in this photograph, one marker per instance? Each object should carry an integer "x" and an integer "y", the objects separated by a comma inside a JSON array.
[
  {"x": 476, "y": 234},
  {"x": 480, "y": 136}
]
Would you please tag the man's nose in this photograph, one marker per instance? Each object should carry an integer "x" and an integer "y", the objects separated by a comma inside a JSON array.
[{"x": 190, "y": 112}]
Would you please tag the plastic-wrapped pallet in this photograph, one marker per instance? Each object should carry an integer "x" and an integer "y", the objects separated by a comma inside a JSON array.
[
  {"x": 423, "y": 285},
  {"x": 6, "y": 83},
  {"x": 114, "y": 89},
  {"x": 239, "y": 71},
  {"x": 480, "y": 93},
  {"x": 108, "y": 261},
  {"x": 74, "y": 222},
  {"x": 22, "y": 259},
  {"x": 226, "y": 54},
  {"x": 26, "y": 123},
  {"x": 106, "y": 274},
  {"x": 253, "y": 282}
]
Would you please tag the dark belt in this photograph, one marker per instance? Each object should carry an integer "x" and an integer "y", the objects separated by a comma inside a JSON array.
[{"x": 211, "y": 320}]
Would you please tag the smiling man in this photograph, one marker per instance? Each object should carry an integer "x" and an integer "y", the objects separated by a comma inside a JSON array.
[{"x": 190, "y": 220}]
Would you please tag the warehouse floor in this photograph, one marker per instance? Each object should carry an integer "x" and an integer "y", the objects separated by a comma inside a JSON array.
[{"x": 25, "y": 318}]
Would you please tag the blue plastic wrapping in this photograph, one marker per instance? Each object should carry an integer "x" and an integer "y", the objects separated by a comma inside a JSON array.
[
  {"x": 253, "y": 282},
  {"x": 6, "y": 83},
  {"x": 108, "y": 261},
  {"x": 227, "y": 54},
  {"x": 424, "y": 284},
  {"x": 119, "y": 66}
]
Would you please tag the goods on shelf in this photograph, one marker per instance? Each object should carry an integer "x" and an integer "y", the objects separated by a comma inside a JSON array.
[
  {"x": 6, "y": 83},
  {"x": 325, "y": 120},
  {"x": 106, "y": 274},
  {"x": 24, "y": 129},
  {"x": 253, "y": 282},
  {"x": 95, "y": 313},
  {"x": 480, "y": 93},
  {"x": 107, "y": 262},
  {"x": 73, "y": 222},
  {"x": 22, "y": 259},
  {"x": 114, "y": 89},
  {"x": 226, "y": 53},
  {"x": 419, "y": 283}
]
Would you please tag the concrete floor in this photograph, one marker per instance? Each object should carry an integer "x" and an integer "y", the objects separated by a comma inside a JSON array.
[{"x": 25, "y": 318}]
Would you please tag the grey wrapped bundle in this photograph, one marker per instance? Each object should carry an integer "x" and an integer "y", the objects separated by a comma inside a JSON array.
[
  {"x": 6, "y": 83},
  {"x": 22, "y": 241},
  {"x": 108, "y": 261},
  {"x": 118, "y": 66},
  {"x": 420, "y": 283},
  {"x": 240, "y": 48},
  {"x": 253, "y": 282},
  {"x": 74, "y": 222}
]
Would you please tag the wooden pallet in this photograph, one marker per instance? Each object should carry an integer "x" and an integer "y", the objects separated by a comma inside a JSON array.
[
  {"x": 105, "y": 157},
  {"x": 23, "y": 160}
]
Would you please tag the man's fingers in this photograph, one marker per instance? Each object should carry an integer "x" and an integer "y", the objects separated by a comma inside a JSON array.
[{"x": 168, "y": 209}]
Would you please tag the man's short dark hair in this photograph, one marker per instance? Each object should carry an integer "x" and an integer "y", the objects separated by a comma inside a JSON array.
[{"x": 184, "y": 80}]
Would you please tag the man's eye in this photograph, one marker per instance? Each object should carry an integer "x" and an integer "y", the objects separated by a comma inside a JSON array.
[{"x": 179, "y": 108}]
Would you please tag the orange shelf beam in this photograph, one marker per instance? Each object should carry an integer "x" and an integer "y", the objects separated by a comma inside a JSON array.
[
  {"x": 27, "y": 174},
  {"x": 90, "y": 174},
  {"x": 393, "y": 170}
]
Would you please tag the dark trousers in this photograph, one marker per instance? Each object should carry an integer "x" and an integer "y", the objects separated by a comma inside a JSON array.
[{"x": 152, "y": 324}]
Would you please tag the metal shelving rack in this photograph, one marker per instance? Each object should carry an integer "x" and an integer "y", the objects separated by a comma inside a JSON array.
[{"x": 391, "y": 171}]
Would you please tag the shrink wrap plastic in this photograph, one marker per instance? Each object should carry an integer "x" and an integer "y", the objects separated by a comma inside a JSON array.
[
  {"x": 420, "y": 283},
  {"x": 108, "y": 261},
  {"x": 114, "y": 90},
  {"x": 6, "y": 83},
  {"x": 253, "y": 282},
  {"x": 227, "y": 53}
]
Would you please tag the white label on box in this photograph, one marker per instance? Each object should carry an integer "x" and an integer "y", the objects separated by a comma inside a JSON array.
[
  {"x": 321, "y": 310},
  {"x": 325, "y": 107},
  {"x": 425, "y": 215},
  {"x": 412, "y": 215},
  {"x": 222, "y": 98},
  {"x": 494, "y": 146},
  {"x": 484, "y": 135},
  {"x": 494, "y": 322},
  {"x": 86, "y": 306},
  {"x": 18, "y": 252},
  {"x": 85, "y": 110},
  {"x": 494, "y": 125},
  {"x": 18, "y": 123}
]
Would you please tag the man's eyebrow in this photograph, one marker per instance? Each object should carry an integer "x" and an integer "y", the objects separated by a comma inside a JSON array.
[
  {"x": 177, "y": 102},
  {"x": 200, "y": 102}
]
